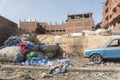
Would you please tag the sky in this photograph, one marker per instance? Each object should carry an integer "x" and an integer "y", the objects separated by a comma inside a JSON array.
[{"x": 49, "y": 11}]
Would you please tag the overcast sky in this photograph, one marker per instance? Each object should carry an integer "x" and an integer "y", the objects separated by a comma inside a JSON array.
[{"x": 49, "y": 10}]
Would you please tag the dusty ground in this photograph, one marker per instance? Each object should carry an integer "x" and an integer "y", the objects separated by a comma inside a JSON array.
[{"x": 37, "y": 74}]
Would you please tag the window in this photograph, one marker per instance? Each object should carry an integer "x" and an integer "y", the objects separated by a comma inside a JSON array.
[
  {"x": 106, "y": 3},
  {"x": 106, "y": 10},
  {"x": 71, "y": 17},
  {"x": 60, "y": 30},
  {"x": 114, "y": 43},
  {"x": 63, "y": 30},
  {"x": 52, "y": 30},
  {"x": 114, "y": 24},
  {"x": 114, "y": 9},
  {"x": 106, "y": 18},
  {"x": 119, "y": 22},
  {"x": 47, "y": 30},
  {"x": 86, "y": 15},
  {"x": 78, "y": 16},
  {"x": 110, "y": 16}
]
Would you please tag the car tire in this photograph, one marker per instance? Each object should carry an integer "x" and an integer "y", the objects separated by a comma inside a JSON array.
[{"x": 96, "y": 59}]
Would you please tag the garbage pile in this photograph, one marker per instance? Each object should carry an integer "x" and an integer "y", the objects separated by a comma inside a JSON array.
[
  {"x": 26, "y": 52},
  {"x": 59, "y": 67},
  {"x": 22, "y": 50}
]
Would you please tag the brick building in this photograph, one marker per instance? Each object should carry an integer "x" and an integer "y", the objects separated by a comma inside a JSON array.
[
  {"x": 79, "y": 22},
  {"x": 74, "y": 23},
  {"x": 31, "y": 26},
  {"x": 7, "y": 28},
  {"x": 7, "y": 22},
  {"x": 111, "y": 14}
]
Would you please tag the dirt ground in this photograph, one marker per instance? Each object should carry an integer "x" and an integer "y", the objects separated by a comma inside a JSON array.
[{"x": 36, "y": 74}]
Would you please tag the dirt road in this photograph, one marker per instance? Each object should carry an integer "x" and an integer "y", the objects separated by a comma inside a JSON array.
[{"x": 81, "y": 69}]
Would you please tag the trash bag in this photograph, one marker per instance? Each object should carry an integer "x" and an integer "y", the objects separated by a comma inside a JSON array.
[
  {"x": 31, "y": 55},
  {"x": 29, "y": 45},
  {"x": 23, "y": 48},
  {"x": 12, "y": 41},
  {"x": 59, "y": 69},
  {"x": 38, "y": 45},
  {"x": 8, "y": 53},
  {"x": 19, "y": 58},
  {"x": 50, "y": 50},
  {"x": 37, "y": 61}
]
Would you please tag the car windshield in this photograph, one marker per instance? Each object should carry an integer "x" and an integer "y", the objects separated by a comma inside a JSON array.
[
  {"x": 114, "y": 43},
  {"x": 107, "y": 42}
]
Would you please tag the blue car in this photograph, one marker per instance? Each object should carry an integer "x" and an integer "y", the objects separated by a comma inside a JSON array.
[{"x": 109, "y": 51}]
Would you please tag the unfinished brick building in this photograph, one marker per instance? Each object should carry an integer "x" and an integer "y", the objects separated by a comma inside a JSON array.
[
  {"x": 79, "y": 22},
  {"x": 111, "y": 14},
  {"x": 74, "y": 23}
]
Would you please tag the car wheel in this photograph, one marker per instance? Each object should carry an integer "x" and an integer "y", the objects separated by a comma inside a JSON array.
[{"x": 96, "y": 59}]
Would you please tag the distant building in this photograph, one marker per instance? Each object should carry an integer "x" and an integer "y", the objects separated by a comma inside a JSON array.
[
  {"x": 74, "y": 23},
  {"x": 111, "y": 14},
  {"x": 31, "y": 26},
  {"x": 79, "y": 22}
]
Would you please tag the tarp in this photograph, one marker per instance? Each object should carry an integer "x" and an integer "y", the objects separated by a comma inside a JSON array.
[
  {"x": 61, "y": 68},
  {"x": 12, "y": 41},
  {"x": 37, "y": 61}
]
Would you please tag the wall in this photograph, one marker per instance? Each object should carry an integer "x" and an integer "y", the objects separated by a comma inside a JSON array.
[
  {"x": 72, "y": 45},
  {"x": 28, "y": 26}
]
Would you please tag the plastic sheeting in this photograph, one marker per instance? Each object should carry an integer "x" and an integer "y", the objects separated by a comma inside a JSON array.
[
  {"x": 62, "y": 68},
  {"x": 23, "y": 48},
  {"x": 12, "y": 41},
  {"x": 37, "y": 61},
  {"x": 63, "y": 61}
]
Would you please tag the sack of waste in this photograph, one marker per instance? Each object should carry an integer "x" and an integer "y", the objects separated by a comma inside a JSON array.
[
  {"x": 8, "y": 53},
  {"x": 31, "y": 55},
  {"x": 50, "y": 50},
  {"x": 12, "y": 41}
]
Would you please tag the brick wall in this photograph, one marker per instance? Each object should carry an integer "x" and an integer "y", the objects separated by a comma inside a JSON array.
[{"x": 28, "y": 26}]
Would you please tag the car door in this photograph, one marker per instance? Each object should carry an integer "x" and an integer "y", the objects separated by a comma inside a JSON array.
[{"x": 113, "y": 49}]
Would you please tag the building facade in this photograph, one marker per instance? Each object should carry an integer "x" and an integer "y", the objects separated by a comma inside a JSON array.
[
  {"x": 79, "y": 22},
  {"x": 7, "y": 28},
  {"x": 111, "y": 14},
  {"x": 74, "y": 23}
]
